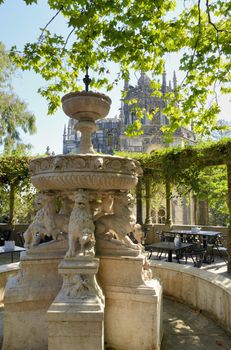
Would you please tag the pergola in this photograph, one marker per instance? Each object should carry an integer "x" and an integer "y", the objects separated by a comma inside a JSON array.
[{"x": 168, "y": 165}]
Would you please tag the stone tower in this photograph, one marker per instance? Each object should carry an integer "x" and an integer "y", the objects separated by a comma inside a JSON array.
[{"x": 111, "y": 136}]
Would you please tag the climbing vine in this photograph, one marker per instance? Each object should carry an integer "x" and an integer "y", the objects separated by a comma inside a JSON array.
[
  {"x": 200, "y": 169},
  {"x": 182, "y": 166}
]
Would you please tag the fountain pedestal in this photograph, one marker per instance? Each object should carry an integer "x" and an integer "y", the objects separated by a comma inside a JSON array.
[
  {"x": 28, "y": 296},
  {"x": 133, "y": 304},
  {"x": 75, "y": 318}
]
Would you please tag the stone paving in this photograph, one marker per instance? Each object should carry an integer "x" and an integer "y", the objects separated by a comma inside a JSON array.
[{"x": 185, "y": 328}]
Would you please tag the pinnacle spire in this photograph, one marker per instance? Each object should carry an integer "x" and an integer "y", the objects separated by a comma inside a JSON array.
[
  {"x": 164, "y": 85},
  {"x": 174, "y": 81},
  {"x": 126, "y": 84}
]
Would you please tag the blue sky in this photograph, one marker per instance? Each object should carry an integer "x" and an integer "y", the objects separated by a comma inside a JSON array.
[{"x": 20, "y": 24}]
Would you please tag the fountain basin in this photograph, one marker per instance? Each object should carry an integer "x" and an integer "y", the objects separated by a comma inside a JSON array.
[
  {"x": 82, "y": 105},
  {"x": 88, "y": 171}
]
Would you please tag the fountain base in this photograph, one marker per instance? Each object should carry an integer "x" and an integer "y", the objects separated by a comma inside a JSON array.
[
  {"x": 28, "y": 296},
  {"x": 36, "y": 301},
  {"x": 75, "y": 318},
  {"x": 133, "y": 304}
]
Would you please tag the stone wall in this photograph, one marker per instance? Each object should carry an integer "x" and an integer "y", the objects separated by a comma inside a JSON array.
[
  {"x": 202, "y": 290},
  {"x": 6, "y": 271}
]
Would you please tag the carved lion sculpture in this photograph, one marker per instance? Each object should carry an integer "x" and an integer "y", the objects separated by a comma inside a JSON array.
[
  {"x": 87, "y": 242},
  {"x": 54, "y": 222},
  {"x": 118, "y": 225},
  {"x": 46, "y": 221},
  {"x": 36, "y": 229},
  {"x": 81, "y": 226}
]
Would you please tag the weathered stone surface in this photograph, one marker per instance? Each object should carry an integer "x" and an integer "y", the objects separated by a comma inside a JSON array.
[
  {"x": 70, "y": 172},
  {"x": 200, "y": 289},
  {"x": 76, "y": 316},
  {"x": 133, "y": 304},
  {"x": 27, "y": 298}
]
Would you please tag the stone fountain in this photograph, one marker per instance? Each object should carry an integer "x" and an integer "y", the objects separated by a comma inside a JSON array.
[{"x": 90, "y": 287}]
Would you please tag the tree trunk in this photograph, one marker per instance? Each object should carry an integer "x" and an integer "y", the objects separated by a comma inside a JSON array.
[
  {"x": 12, "y": 201},
  {"x": 229, "y": 206},
  {"x": 168, "y": 203}
]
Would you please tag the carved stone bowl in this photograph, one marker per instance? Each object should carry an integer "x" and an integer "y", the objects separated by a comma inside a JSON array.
[
  {"x": 82, "y": 105},
  {"x": 91, "y": 171}
]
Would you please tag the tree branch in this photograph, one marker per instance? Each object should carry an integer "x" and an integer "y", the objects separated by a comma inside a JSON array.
[
  {"x": 43, "y": 29},
  {"x": 210, "y": 21},
  {"x": 68, "y": 37},
  {"x": 197, "y": 39}
]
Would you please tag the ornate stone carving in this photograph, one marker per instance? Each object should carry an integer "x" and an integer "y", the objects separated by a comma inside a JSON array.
[
  {"x": 98, "y": 163},
  {"x": 103, "y": 205},
  {"x": 77, "y": 163},
  {"x": 87, "y": 242},
  {"x": 36, "y": 229},
  {"x": 116, "y": 164},
  {"x": 81, "y": 286},
  {"x": 81, "y": 226},
  {"x": 69, "y": 172},
  {"x": 146, "y": 271},
  {"x": 117, "y": 226},
  {"x": 58, "y": 163},
  {"x": 46, "y": 222}
]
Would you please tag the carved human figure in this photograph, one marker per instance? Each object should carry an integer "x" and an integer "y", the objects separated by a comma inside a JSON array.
[
  {"x": 81, "y": 227},
  {"x": 118, "y": 225}
]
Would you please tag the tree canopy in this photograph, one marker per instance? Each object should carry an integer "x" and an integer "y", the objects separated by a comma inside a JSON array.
[
  {"x": 15, "y": 186},
  {"x": 137, "y": 35},
  {"x": 14, "y": 115}
]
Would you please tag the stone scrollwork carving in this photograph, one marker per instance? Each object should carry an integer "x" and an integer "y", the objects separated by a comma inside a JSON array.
[
  {"x": 117, "y": 226},
  {"x": 81, "y": 227},
  {"x": 78, "y": 163},
  {"x": 47, "y": 222}
]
